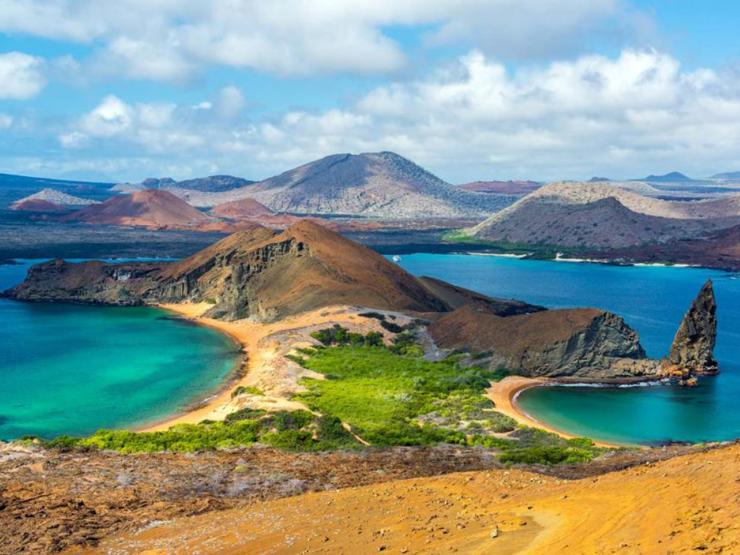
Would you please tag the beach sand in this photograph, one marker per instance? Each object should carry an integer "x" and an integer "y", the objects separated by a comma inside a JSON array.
[{"x": 504, "y": 394}]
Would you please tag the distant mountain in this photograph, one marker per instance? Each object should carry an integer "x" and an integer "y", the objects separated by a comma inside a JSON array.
[
  {"x": 727, "y": 176},
  {"x": 596, "y": 179},
  {"x": 601, "y": 215},
  {"x": 672, "y": 177},
  {"x": 243, "y": 209},
  {"x": 518, "y": 187},
  {"x": 150, "y": 208},
  {"x": 376, "y": 185},
  {"x": 50, "y": 201},
  {"x": 210, "y": 184},
  {"x": 16, "y": 187}
]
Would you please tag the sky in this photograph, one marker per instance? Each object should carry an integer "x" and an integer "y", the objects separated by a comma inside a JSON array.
[{"x": 469, "y": 89}]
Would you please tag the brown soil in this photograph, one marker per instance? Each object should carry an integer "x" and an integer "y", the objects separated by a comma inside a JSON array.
[
  {"x": 53, "y": 500},
  {"x": 687, "y": 504}
]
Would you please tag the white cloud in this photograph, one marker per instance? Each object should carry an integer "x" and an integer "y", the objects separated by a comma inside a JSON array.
[
  {"x": 170, "y": 40},
  {"x": 20, "y": 75},
  {"x": 230, "y": 101},
  {"x": 636, "y": 113},
  {"x": 5, "y": 121}
]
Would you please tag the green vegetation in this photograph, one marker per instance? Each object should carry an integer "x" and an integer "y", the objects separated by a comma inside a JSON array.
[
  {"x": 392, "y": 396},
  {"x": 242, "y": 389},
  {"x": 298, "y": 430},
  {"x": 388, "y": 395}
]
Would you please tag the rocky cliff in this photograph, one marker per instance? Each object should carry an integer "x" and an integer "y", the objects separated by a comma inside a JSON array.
[
  {"x": 692, "y": 351},
  {"x": 583, "y": 343}
]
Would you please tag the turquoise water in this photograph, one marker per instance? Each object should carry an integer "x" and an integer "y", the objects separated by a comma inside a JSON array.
[
  {"x": 69, "y": 369},
  {"x": 652, "y": 300}
]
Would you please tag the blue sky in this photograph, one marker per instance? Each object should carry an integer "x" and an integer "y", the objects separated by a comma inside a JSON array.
[{"x": 470, "y": 89}]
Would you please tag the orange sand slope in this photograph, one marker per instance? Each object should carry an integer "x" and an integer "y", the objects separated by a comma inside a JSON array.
[{"x": 683, "y": 505}]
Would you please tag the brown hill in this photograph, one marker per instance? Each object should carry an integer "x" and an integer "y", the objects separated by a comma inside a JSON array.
[
  {"x": 243, "y": 209},
  {"x": 149, "y": 208},
  {"x": 252, "y": 273}
]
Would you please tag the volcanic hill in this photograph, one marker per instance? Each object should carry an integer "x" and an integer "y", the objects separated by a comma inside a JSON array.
[
  {"x": 605, "y": 216},
  {"x": 50, "y": 200},
  {"x": 149, "y": 208},
  {"x": 243, "y": 209},
  {"x": 377, "y": 185}
]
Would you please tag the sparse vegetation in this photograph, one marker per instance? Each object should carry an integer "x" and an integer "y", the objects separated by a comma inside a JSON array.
[
  {"x": 242, "y": 389},
  {"x": 297, "y": 430}
]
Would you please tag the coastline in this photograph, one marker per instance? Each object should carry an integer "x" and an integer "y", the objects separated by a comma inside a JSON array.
[
  {"x": 263, "y": 363},
  {"x": 504, "y": 394}
]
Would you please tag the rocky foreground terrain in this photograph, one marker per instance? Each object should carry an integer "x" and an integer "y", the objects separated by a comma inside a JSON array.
[{"x": 53, "y": 500}]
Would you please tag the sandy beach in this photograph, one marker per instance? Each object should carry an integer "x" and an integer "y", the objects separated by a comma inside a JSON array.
[{"x": 504, "y": 394}]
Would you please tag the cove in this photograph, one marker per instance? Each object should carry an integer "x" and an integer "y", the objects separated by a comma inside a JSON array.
[
  {"x": 73, "y": 369},
  {"x": 652, "y": 300}
]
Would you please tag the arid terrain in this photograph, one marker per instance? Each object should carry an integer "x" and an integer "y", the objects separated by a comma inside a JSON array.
[{"x": 217, "y": 502}]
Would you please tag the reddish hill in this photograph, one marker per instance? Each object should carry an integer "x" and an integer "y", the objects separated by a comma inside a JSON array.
[
  {"x": 517, "y": 187},
  {"x": 148, "y": 208},
  {"x": 244, "y": 209}
]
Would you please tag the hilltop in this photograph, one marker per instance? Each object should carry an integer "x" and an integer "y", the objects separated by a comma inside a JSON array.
[
  {"x": 242, "y": 209},
  {"x": 149, "y": 208},
  {"x": 377, "y": 185}
]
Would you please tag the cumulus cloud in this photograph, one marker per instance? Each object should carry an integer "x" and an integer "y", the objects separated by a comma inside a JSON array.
[
  {"x": 169, "y": 41},
  {"x": 20, "y": 75},
  {"x": 473, "y": 118}
]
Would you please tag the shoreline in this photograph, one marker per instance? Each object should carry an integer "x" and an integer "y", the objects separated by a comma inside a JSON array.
[
  {"x": 263, "y": 365},
  {"x": 236, "y": 375},
  {"x": 504, "y": 396}
]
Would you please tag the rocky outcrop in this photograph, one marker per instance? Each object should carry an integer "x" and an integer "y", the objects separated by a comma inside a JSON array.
[
  {"x": 692, "y": 351},
  {"x": 569, "y": 343}
]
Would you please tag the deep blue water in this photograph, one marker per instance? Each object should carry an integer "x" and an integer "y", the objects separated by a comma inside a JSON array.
[
  {"x": 652, "y": 300},
  {"x": 72, "y": 369}
]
